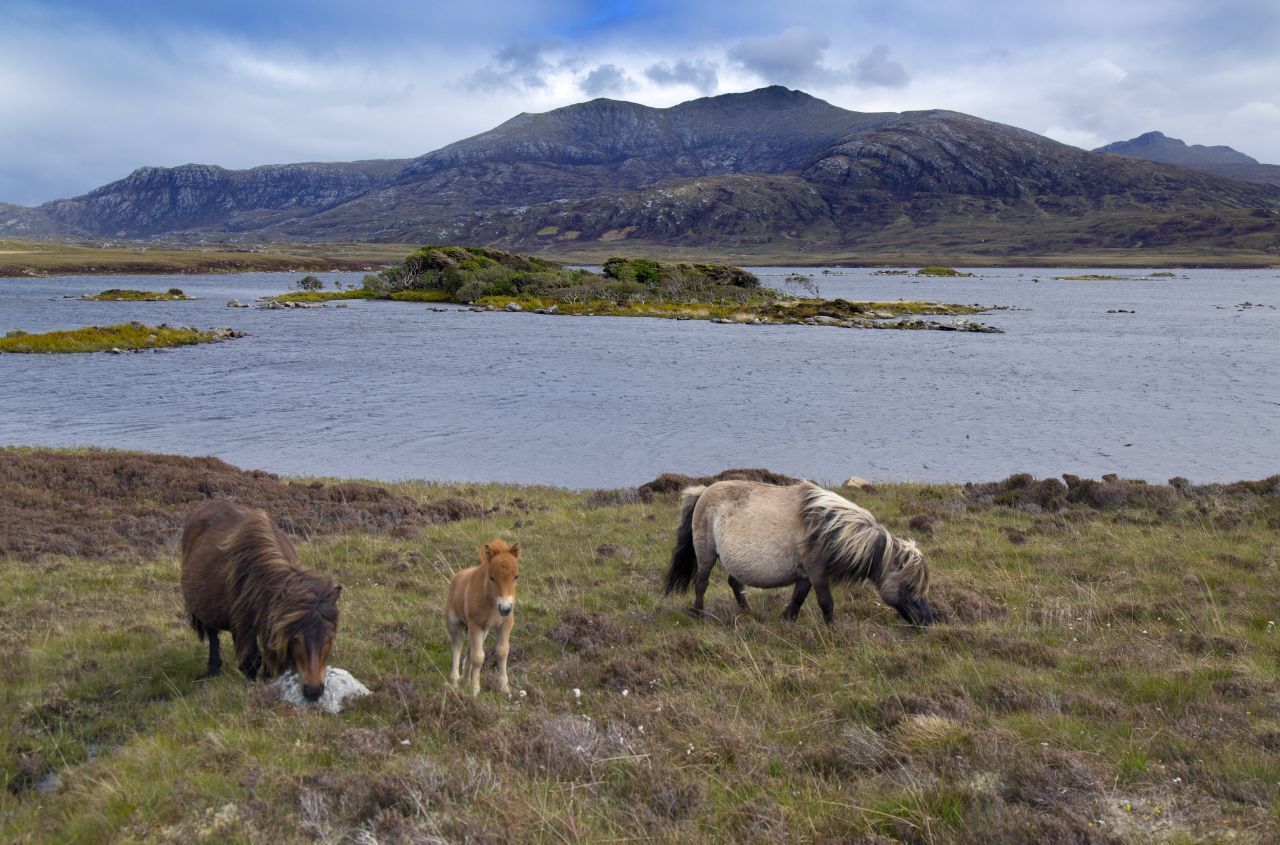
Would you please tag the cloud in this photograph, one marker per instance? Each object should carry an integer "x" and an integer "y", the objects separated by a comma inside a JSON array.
[
  {"x": 518, "y": 66},
  {"x": 876, "y": 68},
  {"x": 792, "y": 57},
  {"x": 700, "y": 76},
  {"x": 605, "y": 80},
  {"x": 241, "y": 84}
]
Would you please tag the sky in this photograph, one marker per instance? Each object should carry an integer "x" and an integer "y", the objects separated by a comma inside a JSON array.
[{"x": 92, "y": 89}]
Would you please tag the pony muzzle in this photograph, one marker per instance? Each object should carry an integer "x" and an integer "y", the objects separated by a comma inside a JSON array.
[
  {"x": 505, "y": 606},
  {"x": 919, "y": 612},
  {"x": 312, "y": 692}
]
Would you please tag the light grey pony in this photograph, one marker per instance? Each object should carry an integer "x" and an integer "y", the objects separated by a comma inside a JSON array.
[{"x": 802, "y": 535}]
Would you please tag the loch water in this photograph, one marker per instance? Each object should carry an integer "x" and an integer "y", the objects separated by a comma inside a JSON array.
[{"x": 1188, "y": 384}]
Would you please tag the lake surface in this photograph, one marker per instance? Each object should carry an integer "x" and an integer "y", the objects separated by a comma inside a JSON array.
[{"x": 1188, "y": 385}]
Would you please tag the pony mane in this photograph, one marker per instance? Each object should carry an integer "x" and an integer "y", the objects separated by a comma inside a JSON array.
[
  {"x": 854, "y": 545},
  {"x": 272, "y": 595}
]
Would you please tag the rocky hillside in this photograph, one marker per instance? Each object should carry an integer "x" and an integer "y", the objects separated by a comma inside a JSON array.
[
  {"x": 1219, "y": 160},
  {"x": 158, "y": 200},
  {"x": 771, "y": 171}
]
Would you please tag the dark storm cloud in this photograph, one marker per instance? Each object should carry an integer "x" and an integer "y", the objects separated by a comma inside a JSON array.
[
  {"x": 516, "y": 66},
  {"x": 792, "y": 57},
  {"x": 876, "y": 68},
  {"x": 700, "y": 76},
  {"x": 606, "y": 80}
]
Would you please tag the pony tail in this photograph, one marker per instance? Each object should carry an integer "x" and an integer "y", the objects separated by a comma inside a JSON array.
[{"x": 684, "y": 561}]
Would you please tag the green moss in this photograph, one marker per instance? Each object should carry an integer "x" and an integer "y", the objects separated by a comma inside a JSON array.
[
  {"x": 324, "y": 295},
  {"x": 942, "y": 271},
  {"x": 125, "y": 336},
  {"x": 127, "y": 295},
  {"x": 421, "y": 296}
]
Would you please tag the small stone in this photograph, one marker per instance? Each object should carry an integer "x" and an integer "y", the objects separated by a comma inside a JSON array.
[
  {"x": 340, "y": 687},
  {"x": 856, "y": 483},
  {"x": 514, "y": 306}
]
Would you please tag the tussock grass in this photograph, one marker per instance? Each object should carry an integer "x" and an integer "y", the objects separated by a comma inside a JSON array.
[
  {"x": 129, "y": 295},
  {"x": 323, "y": 295},
  {"x": 123, "y": 336},
  {"x": 1106, "y": 672}
]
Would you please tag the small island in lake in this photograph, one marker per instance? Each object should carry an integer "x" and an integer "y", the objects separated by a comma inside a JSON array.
[
  {"x": 127, "y": 295},
  {"x": 492, "y": 279},
  {"x": 124, "y": 337}
]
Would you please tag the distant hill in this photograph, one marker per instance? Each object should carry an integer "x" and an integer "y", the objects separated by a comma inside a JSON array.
[
  {"x": 769, "y": 172},
  {"x": 1222, "y": 161},
  {"x": 161, "y": 200},
  {"x": 1156, "y": 146}
]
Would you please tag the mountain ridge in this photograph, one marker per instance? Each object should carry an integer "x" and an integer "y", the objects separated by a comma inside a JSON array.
[
  {"x": 1219, "y": 160},
  {"x": 767, "y": 166}
]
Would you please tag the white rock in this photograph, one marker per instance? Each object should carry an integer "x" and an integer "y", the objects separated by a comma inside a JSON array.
[
  {"x": 855, "y": 482},
  {"x": 514, "y": 306},
  {"x": 340, "y": 687}
]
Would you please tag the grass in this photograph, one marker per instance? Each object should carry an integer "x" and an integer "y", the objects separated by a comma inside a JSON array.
[
  {"x": 1107, "y": 673},
  {"x": 778, "y": 312},
  {"x": 48, "y": 258},
  {"x": 894, "y": 247},
  {"x": 626, "y": 287},
  {"x": 941, "y": 271},
  {"x": 123, "y": 336},
  {"x": 324, "y": 295},
  {"x": 128, "y": 295}
]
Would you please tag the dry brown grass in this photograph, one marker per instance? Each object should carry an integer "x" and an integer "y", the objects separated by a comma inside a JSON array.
[{"x": 108, "y": 503}]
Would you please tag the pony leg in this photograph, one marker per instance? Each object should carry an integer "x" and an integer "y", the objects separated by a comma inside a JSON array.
[
  {"x": 738, "y": 594},
  {"x": 798, "y": 595},
  {"x": 823, "y": 589},
  {"x": 248, "y": 653},
  {"x": 457, "y": 633},
  {"x": 705, "y": 549},
  {"x": 215, "y": 655},
  {"x": 476, "y": 658},
  {"x": 502, "y": 650}
]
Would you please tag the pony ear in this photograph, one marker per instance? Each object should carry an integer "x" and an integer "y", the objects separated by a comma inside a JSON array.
[
  {"x": 514, "y": 548},
  {"x": 336, "y": 592},
  {"x": 485, "y": 553}
]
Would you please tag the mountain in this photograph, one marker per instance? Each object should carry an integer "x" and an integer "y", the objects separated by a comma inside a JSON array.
[
  {"x": 769, "y": 172},
  {"x": 1222, "y": 161},
  {"x": 159, "y": 200},
  {"x": 1156, "y": 146}
]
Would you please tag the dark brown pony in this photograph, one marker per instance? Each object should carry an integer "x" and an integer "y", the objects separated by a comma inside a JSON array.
[{"x": 240, "y": 573}]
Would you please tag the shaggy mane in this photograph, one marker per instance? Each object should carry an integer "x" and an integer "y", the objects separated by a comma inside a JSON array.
[
  {"x": 854, "y": 546},
  {"x": 270, "y": 596}
]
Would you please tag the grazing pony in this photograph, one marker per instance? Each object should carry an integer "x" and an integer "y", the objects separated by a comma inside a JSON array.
[
  {"x": 770, "y": 536},
  {"x": 240, "y": 573},
  {"x": 482, "y": 598}
]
